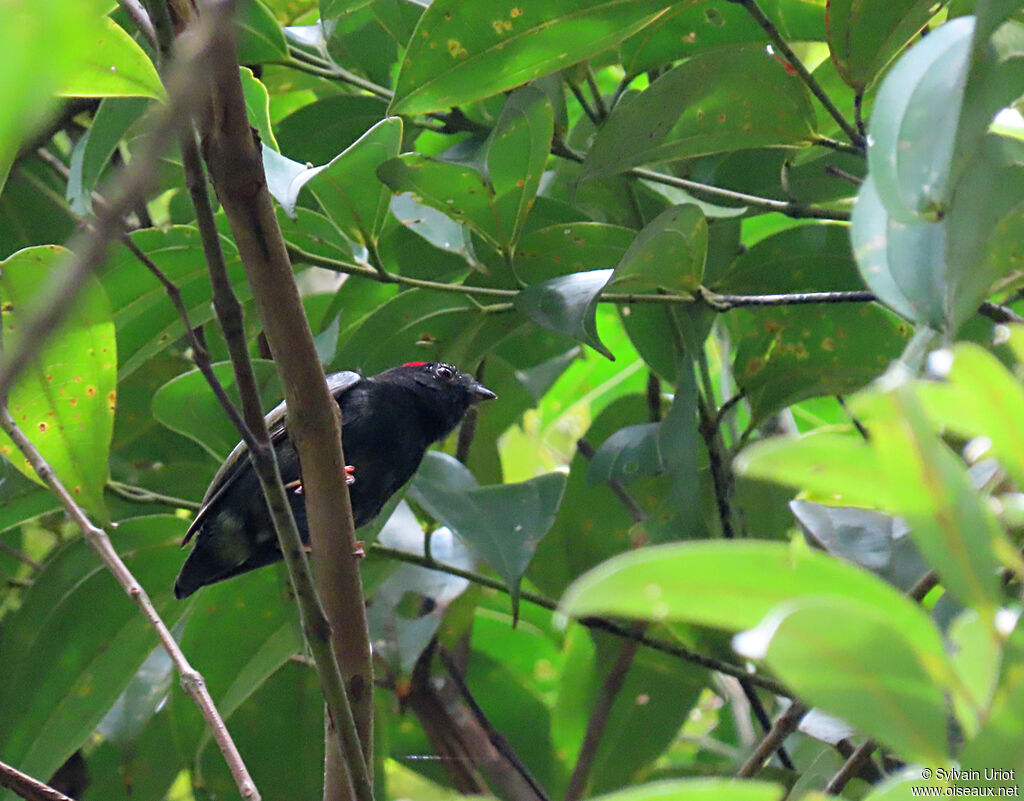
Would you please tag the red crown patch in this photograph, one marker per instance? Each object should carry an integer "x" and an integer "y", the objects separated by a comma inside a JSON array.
[{"x": 414, "y": 364}]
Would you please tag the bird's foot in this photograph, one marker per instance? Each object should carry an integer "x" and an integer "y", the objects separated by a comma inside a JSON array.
[
  {"x": 359, "y": 553},
  {"x": 350, "y": 475},
  {"x": 295, "y": 485}
]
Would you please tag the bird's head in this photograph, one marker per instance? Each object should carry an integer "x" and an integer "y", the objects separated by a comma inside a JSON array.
[{"x": 442, "y": 391}]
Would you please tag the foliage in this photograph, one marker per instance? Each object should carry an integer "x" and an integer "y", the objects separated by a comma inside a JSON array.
[{"x": 661, "y": 232}]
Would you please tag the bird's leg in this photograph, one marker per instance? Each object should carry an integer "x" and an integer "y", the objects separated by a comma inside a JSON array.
[{"x": 296, "y": 485}]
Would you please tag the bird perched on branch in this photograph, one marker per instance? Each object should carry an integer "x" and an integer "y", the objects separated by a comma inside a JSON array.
[{"x": 389, "y": 421}]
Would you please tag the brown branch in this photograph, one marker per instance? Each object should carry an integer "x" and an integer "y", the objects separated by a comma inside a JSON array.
[
  {"x": 28, "y": 788},
  {"x": 191, "y": 680},
  {"x": 24, "y": 558},
  {"x": 495, "y": 737},
  {"x": 786, "y": 724},
  {"x": 850, "y": 768},
  {"x": 598, "y": 720},
  {"x": 234, "y": 158}
]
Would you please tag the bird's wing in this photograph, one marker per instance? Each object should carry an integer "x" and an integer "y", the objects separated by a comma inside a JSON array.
[{"x": 231, "y": 468}]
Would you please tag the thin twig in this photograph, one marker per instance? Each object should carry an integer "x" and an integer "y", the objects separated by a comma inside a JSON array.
[
  {"x": 577, "y": 92},
  {"x": 595, "y": 90},
  {"x": 602, "y": 624},
  {"x": 24, "y": 558},
  {"x": 786, "y": 724},
  {"x": 497, "y": 739},
  {"x": 865, "y": 434},
  {"x": 786, "y": 52},
  {"x": 28, "y": 788},
  {"x": 191, "y": 680},
  {"x": 638, "y": 514},
  {"x": 832, "y": 169},
  {"x": 598, "y": 720},
  {"x": 143, "y": 495},
  {"x": 850, "y": 767}
]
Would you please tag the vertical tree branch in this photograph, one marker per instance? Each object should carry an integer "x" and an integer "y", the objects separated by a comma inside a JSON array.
[{"x": 234, "y": 158}]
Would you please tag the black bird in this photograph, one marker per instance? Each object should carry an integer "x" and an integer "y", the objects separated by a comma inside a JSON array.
[{"x": 389, "y": 422}]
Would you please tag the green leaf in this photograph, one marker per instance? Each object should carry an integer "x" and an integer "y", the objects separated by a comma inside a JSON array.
[
  {"x": 980, "y": 398},
  {"x": 27, "y": 42},
  {"x": 93, "y": 151},
  {"x": 146, "y": 321},
  {"x": 345, "y": 187},
  {"x": 717, "y": 101},
  {"x": 914, "y": 124},
  {"x": 904, "y": 264},
  {"x": 32, "y": 208},
  {"x": 260, "y": 38},
  {"x": 709, "y": 789},
  {"x": 77, "y": 640},
  {"x": 456, "y": 190},
  {"x": 931, "y": 488},
  {"x": 668, "y": 253},
  {"x": 64, "y": 401},
  {"x": 431, "y": 225},
  {"x": 186, "y": 404},
  {"x": 693, "y": 27},
  {"x": 786, "y": 354},
  {"x": 573, "y": 247},
  {"x": 628, "y": 453},
  {"x": 516, "y": 152},
  {"x": 863, "y": 35},
  {"x": 466, "y": 50},
  {"x": 567, "y": 305},
  {"x": 732, "y": 585},
  {"x": 316, "y": 132},
  {"x": 115, "y": 66},
  {"x": 503, "y": 523},
  {"x": 257, "y": 106},
  {"x": 414, "y": 324},
  {"x": 840, "y": 467},
  {"x": 854, "y": 660}
]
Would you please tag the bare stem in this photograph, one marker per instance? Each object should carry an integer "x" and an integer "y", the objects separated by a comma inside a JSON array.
[
  {"x": 786, "y": 724},
  {"x": 28, "y": 788}
]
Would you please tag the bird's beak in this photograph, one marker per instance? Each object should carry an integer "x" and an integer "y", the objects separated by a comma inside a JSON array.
[{"x": 481, "y": 393}]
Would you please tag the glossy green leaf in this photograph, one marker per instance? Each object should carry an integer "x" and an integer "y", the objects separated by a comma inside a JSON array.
[
  {"x": 786, "y": 354},
  {"x": 841, "y": 467},
  {"x": 145, "y": 319},
  {"x": 466, "y": 50},
  {"x": 114, "y": 66},
  {"x": 628, "y": 453},
  {"x": 28, "y": 33},
  {"x": 257, "y": 106},
  {"x": 32, "y": 208},
  {"x": 187, "y": 405},
  {"x": 692, "y": 27},
  {"x": 429, "y": 224},
  {"x": 64, "y": 400},
  {"x": 667, "y": 254},
  {"x": 137, "y": 769},
  {"x": 77, "y": 641},
  {"x": 904, "y": 264},
  {"x": 733, "y": 585},
  {"x": 93, "y": 151},
  {"x": 414, "y": 325},
  {"x": 913, "y": 127},
  {"x": 574, "y": 247},
  {"x": 318, "y": 131},
  {"x": 516, "y": 152},
  {"x": 567, "y": 305},
  {"x": 930, "y": 487},
  {"x": 259, "y": 36},
  {"x": 980, "y": 398},
  {"x": 706, "y": 789},
  {"x": 864, "y": 34},
  {"x": 458, "y": 191},
  {"x": 502, "y": 523},
  {"x": 854, "y": 661},
  {"x": 344, "y": 186},
  {"x": 718, "y": 101}
]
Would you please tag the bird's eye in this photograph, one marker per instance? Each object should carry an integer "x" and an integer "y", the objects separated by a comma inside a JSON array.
[{"x": 444, "y": 373}]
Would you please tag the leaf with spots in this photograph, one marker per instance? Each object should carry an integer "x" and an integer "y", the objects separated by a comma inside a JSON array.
[
  {"x": 76, "y": 642},
  {"x": 668, "y": 253},
  {"x": 716, "y": 102},
  {"x": 64, "y": 401},
  {"x": 456, "y": 190},
  {"x": 517, "y": 151},
  {"x": 466, "y": 50}
]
